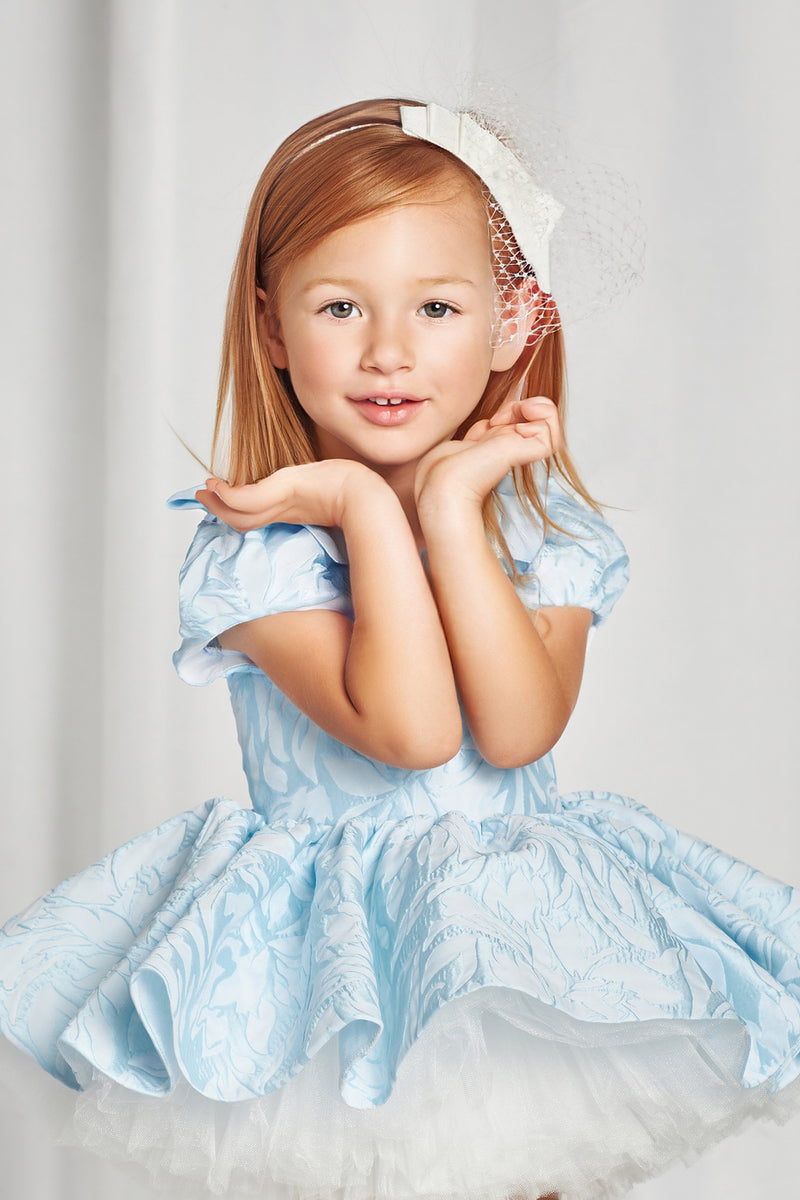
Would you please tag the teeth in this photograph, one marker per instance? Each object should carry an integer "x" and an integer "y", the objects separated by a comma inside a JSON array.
[{"x": 383, "y": 403}]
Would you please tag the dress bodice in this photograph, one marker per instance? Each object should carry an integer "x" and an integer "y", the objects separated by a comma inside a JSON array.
[{"x": 294, "y": 768}]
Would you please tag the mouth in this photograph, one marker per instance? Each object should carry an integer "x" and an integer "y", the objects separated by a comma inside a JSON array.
[{"x": 387, "y": 408}]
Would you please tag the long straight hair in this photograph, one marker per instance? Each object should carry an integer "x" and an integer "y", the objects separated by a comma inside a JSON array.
[{"x": 340, "y": 168}]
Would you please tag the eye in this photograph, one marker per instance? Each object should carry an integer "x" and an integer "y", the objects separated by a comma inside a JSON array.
[
  {"x": 437, "y": 309},
  {"x": 341, "y": 309}
]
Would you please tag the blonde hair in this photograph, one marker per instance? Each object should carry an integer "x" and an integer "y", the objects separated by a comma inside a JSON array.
[{"x": 341, "y": 168}]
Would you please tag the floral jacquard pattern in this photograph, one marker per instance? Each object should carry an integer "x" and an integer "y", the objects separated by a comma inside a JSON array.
[
  {"x": 367, "y": 940},
  {"x": 227, "y": 951}
]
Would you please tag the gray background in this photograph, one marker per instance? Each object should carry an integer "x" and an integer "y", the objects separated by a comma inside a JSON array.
[{"x": 133, "y": 134}]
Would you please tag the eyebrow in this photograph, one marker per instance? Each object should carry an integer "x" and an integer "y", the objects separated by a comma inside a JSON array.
[
  {"x": 447, "y": 280},
  {"x": 338, "y": 283},
  {"x": 428, "y": 281}
]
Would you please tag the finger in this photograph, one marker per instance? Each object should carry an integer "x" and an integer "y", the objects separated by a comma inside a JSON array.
[
  {"x": 238, "y": 520},
  {"x": 506, "y": 414},
  {"x": 208, "y": 499},
  {"x": 525, "y": 441},
  {"x": 211, "y": 501},
  {"x": 539, "y": 400},
  {"x": 476, "y": 431},
  {"x": 530, "y": 407},
  {"x": 215, "y": 485},
  {"x": 540, "y": 408},
  {"x": 544, "y": 410},
  {"x": 246, "y": 497},
  {"x": 536, "y": 429},
  {"x": 511, "y": 431},
  {"x": 537, "y": 441},
  {"x": 233, "y": 496}
]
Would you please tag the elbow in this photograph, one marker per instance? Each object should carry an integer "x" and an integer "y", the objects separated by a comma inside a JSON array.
[
  {"x": 503, "y": 749},
  {"x": 423, "y": 749},
  {"x": 508, "y": 758}
]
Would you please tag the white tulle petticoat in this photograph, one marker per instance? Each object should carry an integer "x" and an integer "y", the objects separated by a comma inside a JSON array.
[{"x": 499, "y": 1097}]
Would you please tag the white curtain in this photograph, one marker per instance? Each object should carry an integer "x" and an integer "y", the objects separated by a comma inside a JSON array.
[{"x": 134, "y": 131}]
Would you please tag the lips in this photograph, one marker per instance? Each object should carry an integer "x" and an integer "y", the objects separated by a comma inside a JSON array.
[{"x": 387, "y": 408}]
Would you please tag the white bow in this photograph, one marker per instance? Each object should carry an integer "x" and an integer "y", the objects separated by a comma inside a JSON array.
[{"x": 531, "y": 213}]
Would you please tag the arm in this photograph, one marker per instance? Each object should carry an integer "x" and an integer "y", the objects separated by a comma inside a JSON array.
[
  {"x": 518, "y": 673},
  {"x": 382, "y": 683}
]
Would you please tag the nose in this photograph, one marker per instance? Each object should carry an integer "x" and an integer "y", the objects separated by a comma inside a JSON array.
[{"x": 388, "y": 346}]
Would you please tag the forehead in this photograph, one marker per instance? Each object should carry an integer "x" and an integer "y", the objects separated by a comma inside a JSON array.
[{"x": 437, "y": 231}]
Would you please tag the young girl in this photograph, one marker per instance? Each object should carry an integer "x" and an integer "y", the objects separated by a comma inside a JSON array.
[{"x": 412, "y": 969}]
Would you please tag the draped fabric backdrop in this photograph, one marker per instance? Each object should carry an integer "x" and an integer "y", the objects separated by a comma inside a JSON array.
[{"x": 134, "y": 132}]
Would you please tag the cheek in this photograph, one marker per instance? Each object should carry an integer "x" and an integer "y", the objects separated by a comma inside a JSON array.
[
  {"x": 465, "y": 352},
  {"x": 472, "y": 368},
  {"x": 311, "y": 365},
  {"x": 307, "y": 384}
]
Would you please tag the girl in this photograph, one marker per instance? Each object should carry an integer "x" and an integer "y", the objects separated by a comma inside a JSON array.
[{"x": 412, "y": 969}]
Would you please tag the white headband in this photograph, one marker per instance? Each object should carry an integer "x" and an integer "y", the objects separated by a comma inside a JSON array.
[{"x": 531, "y": 213}]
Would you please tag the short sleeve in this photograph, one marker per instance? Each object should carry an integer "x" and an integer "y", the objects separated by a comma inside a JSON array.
[
  {"x": 585, "y": 565},
  {"x": 230, "y": 577}
]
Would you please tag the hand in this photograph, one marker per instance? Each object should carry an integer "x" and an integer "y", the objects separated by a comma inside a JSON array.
[
  {"x": 520, "y": 432},
  {"x": 314, "y": 493}
]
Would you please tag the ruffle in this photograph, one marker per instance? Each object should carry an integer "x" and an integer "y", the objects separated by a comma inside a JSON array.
[
  {"x": 592, "y": 958},
  {"x": 585, "y": 565},
  {"x": 230, "y": 577}
]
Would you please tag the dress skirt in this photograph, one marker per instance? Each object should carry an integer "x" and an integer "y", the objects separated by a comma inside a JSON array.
[{"x": 432, "y": 1006}]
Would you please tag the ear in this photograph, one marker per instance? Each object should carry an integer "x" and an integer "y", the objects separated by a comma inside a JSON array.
[
  {"x": 269, "y": 329},
  {"x": 506, "y": 354},
  {"x": 519, "y": 312}
]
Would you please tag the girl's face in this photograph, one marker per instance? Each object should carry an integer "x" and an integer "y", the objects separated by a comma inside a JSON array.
[{"x": 385, "y": 330}]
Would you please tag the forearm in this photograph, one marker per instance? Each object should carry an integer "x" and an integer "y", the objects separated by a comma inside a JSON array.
[
  {"x": 397, "y": 673},
  {"x": 516, "y": 700},
  {"x": 382, "y": 683}
]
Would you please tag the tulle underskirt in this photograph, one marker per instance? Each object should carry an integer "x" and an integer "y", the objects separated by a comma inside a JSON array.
[{"x": 499, "y": 1097}]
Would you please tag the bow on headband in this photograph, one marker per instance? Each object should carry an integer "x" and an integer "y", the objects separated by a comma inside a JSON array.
[{"x": 531, "y": 213}]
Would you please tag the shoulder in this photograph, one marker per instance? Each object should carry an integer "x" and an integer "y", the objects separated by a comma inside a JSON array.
[{"x": 581, "y": 560}]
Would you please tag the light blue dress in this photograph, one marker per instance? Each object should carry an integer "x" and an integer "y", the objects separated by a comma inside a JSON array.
[{"x": 380, "y": 982}]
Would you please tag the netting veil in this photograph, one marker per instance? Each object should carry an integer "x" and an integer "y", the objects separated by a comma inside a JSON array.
[{"x": 566, "y": 241}]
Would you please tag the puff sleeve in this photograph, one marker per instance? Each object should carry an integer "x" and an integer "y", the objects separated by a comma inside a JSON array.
[
  {"x": 587, "y": 565},
  {"x": 230, "y": 577}
]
